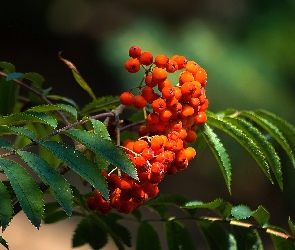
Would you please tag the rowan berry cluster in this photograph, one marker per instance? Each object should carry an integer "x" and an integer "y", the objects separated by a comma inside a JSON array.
[{"x": 175, "y": 111}]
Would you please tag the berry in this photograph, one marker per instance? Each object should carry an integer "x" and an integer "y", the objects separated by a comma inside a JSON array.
[
  {"x": 146, "y": 58},
  {"x": 134, "y": 51},
  {"x": 132, "y": 65},
  {"x": 127, "y": 98},
  {"x": 161, "y": 61},
  {"x": 159, "y": 75},
  {"x": 159, "y": 105},
  {"x": 139, "y": 102},
  {"x": 180, "y": 60}
]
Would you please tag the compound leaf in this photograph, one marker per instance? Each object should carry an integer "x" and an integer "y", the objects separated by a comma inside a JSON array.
[
  {"x": 220, "y": 154},
  {"x": 114, "y": 154},
  {"x": 178, "y": 236},
  {"x": 28, "y": 116},
  {"x": 273, "y": 130},
  {"x": 79, "y": 163},
  {"x": 6, "y": 209},
  {"x": 60, "y": 187},
  {"x": 245, "y": 141},
  {"x": 6, "y": 144},
  {"x": 147, "y": 237},
  {"x": 53, "y": 107},
  {"x": 26, "y": 190}
]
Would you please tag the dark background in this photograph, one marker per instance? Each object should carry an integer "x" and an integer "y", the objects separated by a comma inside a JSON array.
[{"x": 246, "y": 47}]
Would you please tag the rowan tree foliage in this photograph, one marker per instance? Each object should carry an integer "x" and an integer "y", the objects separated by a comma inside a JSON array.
[{"x": 124, "y": 160}]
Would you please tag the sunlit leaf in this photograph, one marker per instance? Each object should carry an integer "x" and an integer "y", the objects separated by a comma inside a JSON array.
[
  {"x": 52, "y": 107},
  {"x": 6, "y": 209},
  {"x": 273, "y": 130},
  {"x": 265, "y": 146},
  {"x": 60, "y": 187},
  {"x": 26, "y": 190},
  {"x": 178, "y": 237},
  {"x": 261, "y": 215},
  {"x": 220, "y": 154},
  {"x": 147, "y": 237},
  {"x": 106, "y": 148},
  {"x": 241, "y": 212},
  {"x": 79, "y": 163},
  {"x": 245, "y": 141}
]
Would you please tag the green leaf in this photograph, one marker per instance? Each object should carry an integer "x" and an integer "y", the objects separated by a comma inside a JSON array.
[
  {"x": 53, "y": 107},
  {"x": 200, "y": 144},
  {"x": 245, "y": 141},
  {"x": 36, "y": 79},
  {"x": 105, "y": 103},
  {"x": 64, "y": 99},
  {"x": 241, "y": 212},
  {"x": 162, "y": 210},
  {"x": 147, "y": 237},
  {"x": 79, "y": 79},
  {"x": 28, "y": 117},
  {"x": 79, "y": 163},
  {"x": 60, "y": 187},
  {"x": 6, "y": 209},
  {"x": 6, "y": 144},
  {"x": 114, "y": 154},
  {"x": 89, "y": 231},
  {"x": 4, "y": 243},
  {"x": 51, "y": 207},
  {"x": 247, "y": 238},
  {"x": 216, "y": 236},
  {"x": 222, "y": 208},
  {"x": 261, "y": 141},
  {"x": 137, "y": 214},
  {"x": 291, "y": 225},
  {"x": 7, "y": 67},
  {"x": 58, "y": 216},
  {"x": 8, "y": 95},
  {"x": 220, "y": 154},
  {"x": 285, "y": 127},
  {"x": 26, "y": 190},
  {"x": 24, "y": 132},
  {"x": 273, "y": 130},
  {"x": 261, "y": 215},
  {"x": 100, "y": 129},
  {"x": 178, "y": 236},
  {"x": 119, "y": 233}
]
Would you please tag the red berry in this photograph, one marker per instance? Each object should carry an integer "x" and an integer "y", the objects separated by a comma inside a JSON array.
[
  {"x": 134, "y": 51},
  {"x": 132, "y": 65},
  {"x": 127, "y": 98},
  {"x": 146, "y": 58}
]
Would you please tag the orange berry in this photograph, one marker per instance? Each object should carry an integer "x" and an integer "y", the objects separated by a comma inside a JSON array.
[
  {"x": 159, "y": 105},
  {"x": 201, "y": 118},
  {"x": 148, "y": 94},
  {"x": 134, "y": 51},
  {"x": 190, "y": 153},
  {"x": 142, "y": 131},
  {"x": 157, "y": 142},
  {"x": 153, "y": 118},
  {"x": 187, "y": 88},
  {"x": 191, "y": 136},
  {"x": 159, "y": 75},
  {"x": 163, "y": 84},
  {"x": 139, "y": 102},
  {"x": 161, "y": 61},
  {"x": 187, "y": 110},
  {"x": 178, "y": 93},
  {"x": 171, "y": 66},
  {"x": 180, "y": 60},
  {"x": 168, "y": 92},
  {"x": 146, "y": 58},
  {"x": 139, "y": 146},
  {"x": 165, "y": 115},
  {"x": 201, "y": 76},
  {"x": 192, "y": 67},
  {"x": 132, "y": 65},
  {"x": 127, "y": 98},
  {"x": 149, "y": 81},
  {"x": 185, "y": 76}
]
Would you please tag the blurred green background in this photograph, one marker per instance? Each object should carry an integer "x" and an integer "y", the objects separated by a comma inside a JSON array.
[{"x": 246, "y": 47}]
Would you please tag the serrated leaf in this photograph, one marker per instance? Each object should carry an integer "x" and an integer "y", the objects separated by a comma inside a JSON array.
[
  {"x": 8, "y": 95},
  {"x": 220, "y": 154},
  {"x": 105, "y": 103},
  {"x": 13, "y": 76},
  {"x": 24, "y": 132},
  {"x": 247, "y": 238},
  {"x": 216, "y": 236},
  {"x": 58, "y": 216},
  {"x": 261, "y": 215},
  {"x": 6, "y": 144},
  {"x": 28, "y": 117},
  {"x": 241, "y": 212},
  {"x": 100, "y": 129},
  {"x": 285, "y": 127},
  {"x": 200, "y": 144},
  {"x": 178, "y": 237},
  {"x": 119, "y": 233},
  {"x": 219, "y": 206},
  {"x": 64, "y": 99},
  {"x": 26, "y": 190},
  {"x": 6, "y": 209},
  {"x": 245, "y": 141},
  {"x": 147, "y": 237},
  {"x": 4, "y": 243},
  {"x": 79, "y": 163},
  {"x": 291, "y": 225},
  {"x": 114, "y": 154},
  {"x": 7, "y": 67},
  {"x": 89, "y": 231},
  {"x": 60, "y": 187},
  {"x": 53, "y": 107},
  {"x": 273, "y": 130},
  {"x": 266, "y": 147}
]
